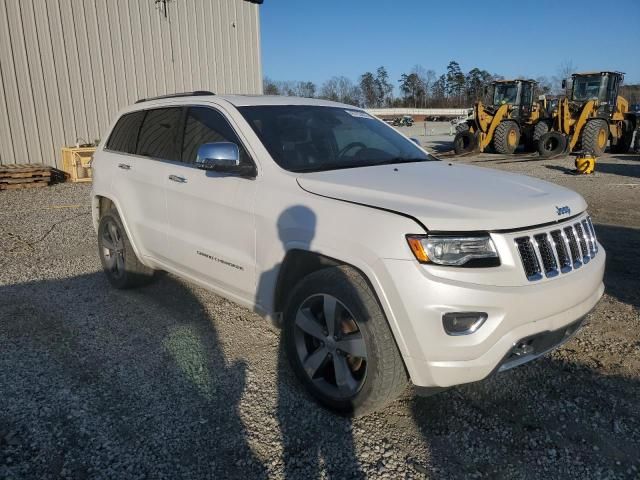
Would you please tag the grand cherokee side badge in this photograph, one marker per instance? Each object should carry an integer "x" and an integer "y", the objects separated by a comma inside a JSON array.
[
  {"x": 219, "y": 260},
  {"x": 563, "y": 210}
]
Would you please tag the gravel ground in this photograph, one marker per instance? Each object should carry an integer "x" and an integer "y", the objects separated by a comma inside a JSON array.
[{"x": 171, "y": 381}]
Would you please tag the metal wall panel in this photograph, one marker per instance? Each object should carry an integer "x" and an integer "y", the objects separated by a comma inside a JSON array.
[{"x": 68, "y": 66}]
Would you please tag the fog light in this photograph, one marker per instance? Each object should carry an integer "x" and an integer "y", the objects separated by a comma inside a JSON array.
[{"x": 463, "y": 323}]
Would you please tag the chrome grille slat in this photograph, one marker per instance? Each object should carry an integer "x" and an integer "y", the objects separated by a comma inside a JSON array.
[
  {"x": 570, "y": 235},
  {"x": 582, "y": 241},
  {"x": 593, "y": 234},
  {"x": 545, "y": 253},
  {"x": 564, "y": 260},
  {"x": 529, "y": 258},
  {"x": 558, "y": 251},
  {"x": 588, "y": 236}
]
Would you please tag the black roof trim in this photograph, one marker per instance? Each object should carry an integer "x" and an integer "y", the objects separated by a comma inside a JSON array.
[{"x": 196, "y": 93}]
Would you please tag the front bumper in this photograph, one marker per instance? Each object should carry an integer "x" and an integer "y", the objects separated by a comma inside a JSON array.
[
  {"x": 527, "y": 349},
  {"x": 434, "y": 359}
]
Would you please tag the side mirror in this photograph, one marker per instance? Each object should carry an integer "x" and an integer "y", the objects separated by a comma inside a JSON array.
[
  {"x": 485, "y": 91},
  {"x": 564, "y": 84},
  {"x": 415, "y": 140},
  {"x": 218, "y": 156}
]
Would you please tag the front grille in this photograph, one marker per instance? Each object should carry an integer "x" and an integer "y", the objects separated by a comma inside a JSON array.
[{"x": 546, "y": 254}]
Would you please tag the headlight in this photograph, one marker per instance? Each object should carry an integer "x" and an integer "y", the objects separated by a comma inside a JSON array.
[{"x": 451, "y": 250}]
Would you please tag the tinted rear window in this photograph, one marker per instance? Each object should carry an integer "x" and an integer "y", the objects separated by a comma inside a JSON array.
[
  {"x": 159, "y": 134},
  {"x": 124, "y": 136}
]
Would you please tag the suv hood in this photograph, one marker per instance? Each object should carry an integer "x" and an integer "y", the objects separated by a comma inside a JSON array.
[{"x": 449, "y": 197}]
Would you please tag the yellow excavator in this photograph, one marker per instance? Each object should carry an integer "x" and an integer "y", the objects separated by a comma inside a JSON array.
[
  {"x": 512, "y": 117},
  {"x": 590, "y": 117}
]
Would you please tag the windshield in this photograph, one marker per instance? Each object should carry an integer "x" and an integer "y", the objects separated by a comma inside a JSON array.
[
  {"x": 303, "y": 138},
  {"x": 587, "y": 88},
  {"x": 505, "y": 93}
]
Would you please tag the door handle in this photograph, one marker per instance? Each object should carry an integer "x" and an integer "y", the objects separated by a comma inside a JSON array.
[
  {"x": 176, "y": 178},
  {"x": 124, "y": 166}
]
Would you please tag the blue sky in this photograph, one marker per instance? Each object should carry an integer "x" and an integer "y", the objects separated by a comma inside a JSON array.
[{"x": 314, "y": 40}]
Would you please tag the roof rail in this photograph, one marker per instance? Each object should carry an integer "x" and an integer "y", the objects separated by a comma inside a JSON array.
[{"x": 196, "y": 93}]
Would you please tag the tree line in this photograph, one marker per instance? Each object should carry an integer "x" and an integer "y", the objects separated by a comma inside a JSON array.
[{"x": 418, "y": 88}]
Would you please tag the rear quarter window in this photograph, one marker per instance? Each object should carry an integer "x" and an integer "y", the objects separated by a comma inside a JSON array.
[{"x": 124, "y": 135}]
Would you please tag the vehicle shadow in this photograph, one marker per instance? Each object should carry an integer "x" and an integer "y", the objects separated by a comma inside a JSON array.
[
  {"x": 123, "y": 384},
  {"x": 551, "y": 416},
  {"x": 316, "y": 442},
  {"x": 623, "y": 169},
  {"x": 438, "y": 146},
  {"x": 635, "y": 156},
  {"x": 621, "y": 272},
  {"x": 602, "y": 166}
]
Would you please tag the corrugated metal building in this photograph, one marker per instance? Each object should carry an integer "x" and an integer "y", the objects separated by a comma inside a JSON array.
[{"x": 67, "y": 66}]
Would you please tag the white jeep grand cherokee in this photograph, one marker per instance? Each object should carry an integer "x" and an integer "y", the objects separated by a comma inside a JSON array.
[{"x": 381, "y": 263}]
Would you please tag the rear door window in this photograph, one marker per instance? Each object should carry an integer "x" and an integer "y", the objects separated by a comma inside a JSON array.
[
  {"x": 159, "y": 135},
  {"x": 124, "y": 135},
  {"x": 206, "y": 125}
]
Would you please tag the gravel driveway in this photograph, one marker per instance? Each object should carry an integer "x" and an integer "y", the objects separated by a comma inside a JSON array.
[{"x": 171, "y": 381}]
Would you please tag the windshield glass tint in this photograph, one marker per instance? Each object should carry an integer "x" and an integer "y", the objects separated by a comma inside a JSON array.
[
  {"x": 304, "y": 138},
  {"x": 505, "y": 93},
  {"x": 586, "y": 88}
]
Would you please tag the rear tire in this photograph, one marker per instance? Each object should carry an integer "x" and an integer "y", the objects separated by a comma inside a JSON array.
[
  {"x": 462, "y": 127},
  {"x": 119, "y": 262},
  {"x": 506, "y": 137},
  {"x": 595, "y": 136},
  {"x": 464, "y": 142},
  {"x": 552, "y": 144},
  {"x": 542, "y": 127},
  {"x": 351, "y": 364},
  {"x": 624, "y": 142}
]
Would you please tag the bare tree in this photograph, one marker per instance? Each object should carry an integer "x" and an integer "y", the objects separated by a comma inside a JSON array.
[
  {"x": 307, "y": 89},
  {"x": 544, "y": 85},
  {"x": 426, "y": 77},
  {"x": 341, "y": 89},
  {"x": 564, "y": 72}
]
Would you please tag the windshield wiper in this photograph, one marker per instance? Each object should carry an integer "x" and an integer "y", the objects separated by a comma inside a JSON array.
[
  {"x": 400, "y": 160},
  {"x": 325, "y": 166},
  {"x": 341, "y": 166}
]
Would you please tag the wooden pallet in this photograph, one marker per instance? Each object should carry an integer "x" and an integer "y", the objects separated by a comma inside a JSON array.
[
  {"x": 18, "y": 176},
  {"x": 21, "y": 186}
]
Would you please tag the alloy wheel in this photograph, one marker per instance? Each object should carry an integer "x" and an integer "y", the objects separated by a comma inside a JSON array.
[
  {"x": 113, "y": 248},
  {"x": 330, "y": 346}
]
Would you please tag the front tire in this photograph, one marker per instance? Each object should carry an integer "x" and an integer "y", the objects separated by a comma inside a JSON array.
[
  {"x": 339, "y": 344},
  {"x": 506, "y": 138},
  {"x": 595, "y": 136},
  {"x": 119, "y": 262}
]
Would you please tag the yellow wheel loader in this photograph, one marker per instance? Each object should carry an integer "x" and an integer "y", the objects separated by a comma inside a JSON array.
[
  {"x": 592, "y": 116},
  {"x": 512, "y": 118}
]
